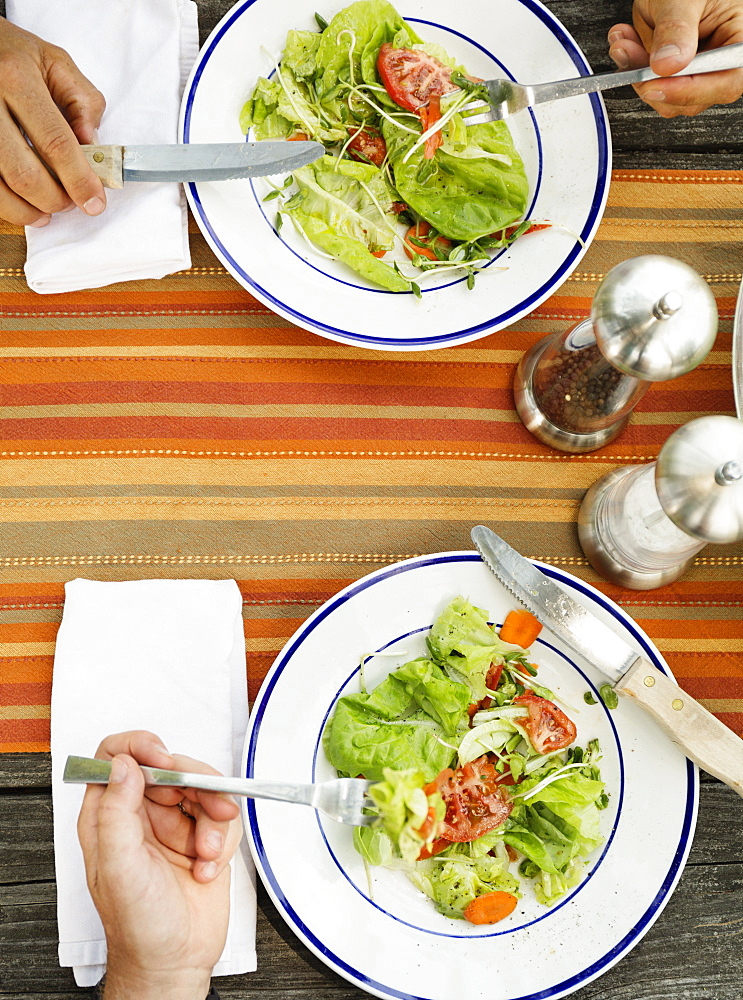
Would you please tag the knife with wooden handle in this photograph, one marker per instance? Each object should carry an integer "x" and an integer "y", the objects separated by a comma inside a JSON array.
[
  {"x": 702, "y": 737},
  {"x": 117, "y": 165}
]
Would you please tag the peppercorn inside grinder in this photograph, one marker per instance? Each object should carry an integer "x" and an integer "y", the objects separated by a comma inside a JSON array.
[
  {"x": 653, "y": 318},
  {"x": 641, "y": 526}
]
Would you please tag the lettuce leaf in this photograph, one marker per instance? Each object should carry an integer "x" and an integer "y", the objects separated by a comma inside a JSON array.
[
  {"x": 404, "y": 807},
  {"x": 492, "y": 735},
  {"x": 300, "y": 52},
  {"x": 461, "y": 638},
  {"x": 398, "y": 726},
  {"x": 374, "y": 845},
  {"x": 444, "y": 700},
  {"x": 452, "y": 883},
  {"x": 465, "y": 193},
  {"x": 281, "y": 106},
  {"x": 351, "y": 252},
  {"x": 341, "y": 207},
  {"x": 557, "y": 827},
  {"x": 360, "y": 30}
]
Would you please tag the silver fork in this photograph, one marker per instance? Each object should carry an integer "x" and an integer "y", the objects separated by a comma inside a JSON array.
[
  {"x": 507, "y": 98},
  {"x": 342, "y": 799}
]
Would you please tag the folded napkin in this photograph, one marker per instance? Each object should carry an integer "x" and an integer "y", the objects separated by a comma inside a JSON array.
[
  {"x": 162, "y": 655},
  {"x": 138, "y": 53}
]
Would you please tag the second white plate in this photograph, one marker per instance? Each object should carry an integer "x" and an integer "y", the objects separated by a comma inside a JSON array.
[{"x": 381, "y": 933}]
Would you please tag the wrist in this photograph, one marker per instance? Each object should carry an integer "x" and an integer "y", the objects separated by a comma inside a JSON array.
[{"x": 136, "y": 984}]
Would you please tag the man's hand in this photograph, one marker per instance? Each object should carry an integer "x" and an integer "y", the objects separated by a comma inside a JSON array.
[
  {"x": 47, "y": 102},
  {"x": 666, "y": 36},
  {"x": 159, "y": 879}
]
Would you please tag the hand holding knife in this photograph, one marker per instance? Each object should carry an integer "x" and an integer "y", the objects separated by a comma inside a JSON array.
[{"x": 702, "y": 737}]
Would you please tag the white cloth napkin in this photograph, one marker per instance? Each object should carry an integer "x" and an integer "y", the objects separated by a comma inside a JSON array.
[
  {"x": 162, "y": 655},
  {"x": 138, "y": 53}
]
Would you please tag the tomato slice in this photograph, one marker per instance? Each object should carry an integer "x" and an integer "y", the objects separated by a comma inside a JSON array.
[
  {"x": 411, "y": 77},
  {"x": 474, "y": 801},
  {"x": 548, "y": 727},
  {"x": 367, "y": 145},
  {"x": 492, "y": 679},
  {"x": 439, "y": 845}
]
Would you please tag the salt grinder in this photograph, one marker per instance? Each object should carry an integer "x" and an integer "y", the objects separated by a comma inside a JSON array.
[
  {"x": 653, "y": 318},
  {"x": 641, "y": 526}
]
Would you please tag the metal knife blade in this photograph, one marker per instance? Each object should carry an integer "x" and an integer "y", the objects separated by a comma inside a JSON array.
[
  {"x": 578, "y": 628},
  {"x": 702, "y": 737},
  {"x": 199, "y": 161}
]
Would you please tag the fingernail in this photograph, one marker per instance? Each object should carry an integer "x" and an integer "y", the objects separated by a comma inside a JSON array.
[
  {"x": 615, "y": 36},
  {"x": 162, "y": 749},
  {"x": 654, "y": 96},
  {"x": 666, "y": 52},
  {"x": 119, "y": 771},
  {"x": 68, "y": 208},
  {"x": 215, "y": 840},
  {"x": 620, "y": 57},
  {"x": 94, "y": 206},
  {"x": 208, "y": 869},
  {"x": 40, "y": 223}
]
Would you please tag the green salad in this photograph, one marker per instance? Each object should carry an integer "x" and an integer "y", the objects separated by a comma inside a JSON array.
[
  {"x": 401, "y": 166},
  {"x": 479, "y": 786}
]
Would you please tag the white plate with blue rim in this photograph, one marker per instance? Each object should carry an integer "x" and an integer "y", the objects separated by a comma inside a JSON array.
[
  {"x": 565, "y": 147},
  {"x": 375, "y": 928}
]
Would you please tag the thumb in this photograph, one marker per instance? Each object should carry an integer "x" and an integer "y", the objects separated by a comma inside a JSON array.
[
  {"x": 120, "y": 829},
  {"x": 675, "y": 35}
]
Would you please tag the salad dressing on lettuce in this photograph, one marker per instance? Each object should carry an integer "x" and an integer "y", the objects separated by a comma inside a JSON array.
[
  {"x": 479, "y": 786},
  {"x": 389, "y": 108}
]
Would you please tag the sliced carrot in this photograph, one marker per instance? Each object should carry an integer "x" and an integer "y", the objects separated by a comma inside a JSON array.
[
  {"x": 420, "y": 232},
  {"x": 520, "y": 628},
  {"x": 429, "y": 115},
  {"x": 508, "y": 232},
  {"x": 490, "y": 907}
]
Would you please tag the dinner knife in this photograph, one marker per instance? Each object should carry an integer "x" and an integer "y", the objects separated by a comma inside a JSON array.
[
  {"x": 224, "y": 161},
  {"x": 702, "y": 737}
]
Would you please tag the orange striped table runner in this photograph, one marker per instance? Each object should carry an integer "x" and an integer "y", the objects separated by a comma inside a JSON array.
[{"x": 180, "y": 429}]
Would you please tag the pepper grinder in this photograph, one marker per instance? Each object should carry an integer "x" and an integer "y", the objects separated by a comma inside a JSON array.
[
  {"x": 641, "y": 526},
  {"x": 653, "y": 318}
]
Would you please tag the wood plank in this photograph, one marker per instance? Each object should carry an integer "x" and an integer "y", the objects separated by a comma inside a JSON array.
[
  {"x": 702, "y": 923},
  {"x": 25, "y": 770}
]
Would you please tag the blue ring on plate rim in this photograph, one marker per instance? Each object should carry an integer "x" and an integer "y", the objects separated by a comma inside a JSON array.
[
  {"x": 454, "y": 281},
  {"x": 304, "y": 932},
  {"x": 455, "y": 336},
  {"x": 552, "y": 909}
]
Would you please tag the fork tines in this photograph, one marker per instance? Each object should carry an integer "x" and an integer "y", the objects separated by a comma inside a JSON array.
[{"x": 479, "y": 113}]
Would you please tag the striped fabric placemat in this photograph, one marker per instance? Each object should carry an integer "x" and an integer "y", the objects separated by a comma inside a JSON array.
[{"x": 180, "y": 429}]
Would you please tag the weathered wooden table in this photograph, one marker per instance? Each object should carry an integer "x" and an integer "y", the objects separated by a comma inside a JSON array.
[{"x": 691, "y": 953}]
